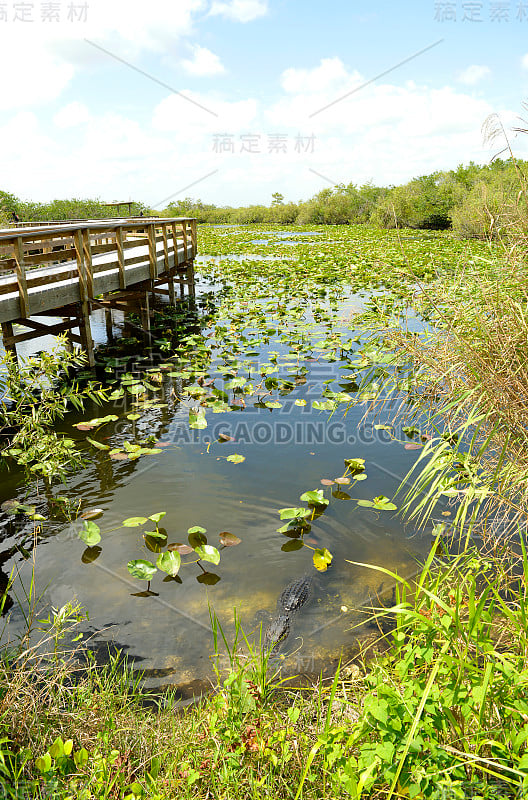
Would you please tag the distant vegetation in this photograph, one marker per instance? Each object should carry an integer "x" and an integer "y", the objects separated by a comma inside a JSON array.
[
  {"x": 75, "y": 208},
  {"x": 473, "y": 201}
]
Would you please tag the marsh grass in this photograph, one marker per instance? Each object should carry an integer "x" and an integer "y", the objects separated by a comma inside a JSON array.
[
  {"x": 442, "y": 714},
  {"x": 466, "y": 379}
]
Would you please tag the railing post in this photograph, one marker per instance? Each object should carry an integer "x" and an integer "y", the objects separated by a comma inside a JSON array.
[
  {"x": 84, "y": 305},
  {"x": 153, "y": 259},
  {"x": 184, "y": 232},
  {"x": 121, "y": 257},
  {"x": 88, "y": 264},
  {"x": 194, "y": 238},
  {"x": 165, "y": 245},
  {"x": 21, "y": 277}
]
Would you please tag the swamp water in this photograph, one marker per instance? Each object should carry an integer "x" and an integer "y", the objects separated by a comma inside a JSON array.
[{"x": 266, "y": 372}]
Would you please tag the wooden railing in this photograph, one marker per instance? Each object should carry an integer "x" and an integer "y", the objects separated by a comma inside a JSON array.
[
  {"x": 58, "y": 222},
  {"x": 82, "y": 260}
]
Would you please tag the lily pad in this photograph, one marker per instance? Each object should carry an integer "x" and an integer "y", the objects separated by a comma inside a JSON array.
[
  {"x": 179, "y": 547},
  {"x": 315, "y": 498},
  {"x": 92, "y": 513},
  {"x": 134, "y": 522},
  {"x": 206, "y": 552},
  {"x": 322, "y": 558},
  {"x": 90, "y": 533},
  {"x": 142, "y": 569},
  {"x": 379, "y": 503},
  {"x": 169, "y": 562}
]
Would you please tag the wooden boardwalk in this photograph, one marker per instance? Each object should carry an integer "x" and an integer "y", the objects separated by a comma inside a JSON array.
[{"x": 65, "y": 269}]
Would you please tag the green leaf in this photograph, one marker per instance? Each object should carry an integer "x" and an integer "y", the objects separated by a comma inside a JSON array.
[
  {"x": 380, "y": 503},
  {"x": 43, "y": 763},
  {"x": 315, "y": 498},
  {"x": 327, "y": 405},
  {"x": 197, "y": 529},
  {"x": 90, "y": 533},
  {"x": 134, "y": 522},
  {"x": 197, "y": 420},
  {"x": 236, "y": 459},
  {"x": 169, "y": 562},
  {"x": 197, "y": 537},
  {"x": 207, "y": 552},
  {"x": 142, "y": 569},
  {"x": 321, "y": 559},
  {"x": 294, "y": 513},
  {"x": 355, "y": 464},
  {"x": 57, "y": 748},
  {"x": 80, "y": 757},
  {"x": 98, "y": 445},
  {"x": 157, "y": 517},
  {"x": 136, "y": 389}
]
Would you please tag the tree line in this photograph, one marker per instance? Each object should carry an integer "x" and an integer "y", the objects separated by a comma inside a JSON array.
[{"x": 473, "y": 201}]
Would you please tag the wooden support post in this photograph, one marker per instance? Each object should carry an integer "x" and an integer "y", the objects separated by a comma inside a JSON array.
[
  {"x": 83, "y": 312},
  {"x": 190, "y": 279},
  {"x": 172, "y": 295},
  {"x": 7, "y": 337},
  {"x": 86, "y": 333},
  {"x": 145, "y": 314},
  {"x": 108, "y": 324},
  {"x": 121, "y": 257},
  {"x": 153, "y": 260},
  {"x": 194, "y": 238},
  {"x": 21, "y": 277},
  {"x": 88, "y": 266}
]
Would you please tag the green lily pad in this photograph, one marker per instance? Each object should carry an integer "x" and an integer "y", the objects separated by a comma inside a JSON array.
[{"x": 142, "y": 569}]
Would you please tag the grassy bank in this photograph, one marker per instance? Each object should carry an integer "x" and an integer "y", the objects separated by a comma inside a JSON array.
[{"x": 442, "y": 714}]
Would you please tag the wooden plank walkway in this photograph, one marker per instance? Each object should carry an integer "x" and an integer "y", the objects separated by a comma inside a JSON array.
[{"x": 64, "y": 269}]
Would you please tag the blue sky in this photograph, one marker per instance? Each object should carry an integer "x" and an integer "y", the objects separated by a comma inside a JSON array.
[{"x": 76, "y": 121}]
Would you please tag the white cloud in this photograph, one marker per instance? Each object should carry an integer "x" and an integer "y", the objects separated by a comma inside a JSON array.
[
  {"x": 524, "y": 61},
  {"x": 331, "y": 74},
  {"x": 473, "y": 74},
  {"x": 203, "y": 62},
  {"x": 239, "y": 10},
  {"x": 34, "y": 75},
  {"x": 384, "y": 132},
  {"x": 229, "y": 116},
  {"x": 40, "y": 59},
  {"x": 72, "y": 115}
]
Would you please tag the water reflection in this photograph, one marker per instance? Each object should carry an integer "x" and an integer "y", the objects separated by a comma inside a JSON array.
[{"x": 287, "y": 451}]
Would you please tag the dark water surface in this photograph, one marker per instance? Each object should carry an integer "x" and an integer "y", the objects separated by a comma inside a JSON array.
[{"x": 287, "y": 451}]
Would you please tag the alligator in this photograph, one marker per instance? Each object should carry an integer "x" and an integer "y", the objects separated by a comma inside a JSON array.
[{"x": 291, "y": 599}]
